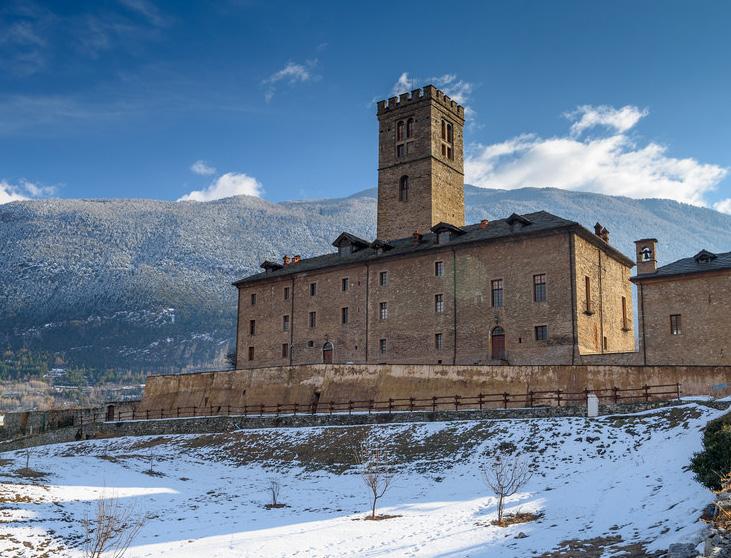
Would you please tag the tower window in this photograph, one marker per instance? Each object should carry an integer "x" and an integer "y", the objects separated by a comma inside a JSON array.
[
  {"x": 400, "y": 131},
  {"x": 410, "y": 128},
  {"x": 253, "y": 299},
  {"x": 251, "y": 353},
  {"x": 344, "y": 315},
  {"x": 438, "y": 269},
  {"x": 383, "y": 278},
  {"x": 313, "y": 319},
  {"x": 587, "y": 295},
  {"x": 675, "y": 325},
  {"x": 447, "y": 139},
  {"x": 403, "y": 189},
  {"x": 646, "y": 254},
  {"x": 624, "y": 314},
  {"x": 497, "y": 293},
  {"x": 541, "y": 332},
  {"x": 285, "y": 323},
  {"x": 286, "y": 293},
  {"x": 252, "y": 327},
  {"x": 345, "y": 284},
  {"x": 438, "y": 341},
  {"x": 382, "y": 346},
  {"x": 313, "y": 289},
  {"x": 285, "y": 350}
]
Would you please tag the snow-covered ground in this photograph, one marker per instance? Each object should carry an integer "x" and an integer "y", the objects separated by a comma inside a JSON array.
[{"x": 616, "y": 485}]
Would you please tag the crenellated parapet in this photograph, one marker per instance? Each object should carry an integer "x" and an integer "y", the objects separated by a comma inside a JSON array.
[{"x": 417, "y": 95}]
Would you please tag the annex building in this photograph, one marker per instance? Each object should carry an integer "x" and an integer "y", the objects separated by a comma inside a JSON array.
[{"x": 526, "y": 289}]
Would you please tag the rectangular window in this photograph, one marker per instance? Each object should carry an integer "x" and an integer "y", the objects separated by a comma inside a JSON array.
[
  {"x": 497, "y": 293},
  {"x": 438, "y": 341},
  {"x": 285, "y": 350},
  {"x": 541, "y": 332},
  {"x": 675, "y": 325},
  {"x": 344, "y": 315},
  {"x": 606, "y": 344},
  {"x": 285, "y": 323},
  {"x": 400, "y": 150},
  {"x": 438, "y": 269},
  {"x": 252, "y": 327},
  {"x": 253, "y": 299},
  {"x": 624, "y": 314},
  {"x": 251, "y": 353},
  {"x": 286, "y": 293},
  {"x": 313, "y": 319},
  {"x": 587, "y": 294},
  {"x": 383, "y": 310},
  {"x": 345, "y": 284},
  {"x": 383, "y": 278},
  {"x": 539, "y": 288},
  {"x": 382, "y": 346},
  {"x": 313, "y": 289},
  {"x": 439, "y": 303}
]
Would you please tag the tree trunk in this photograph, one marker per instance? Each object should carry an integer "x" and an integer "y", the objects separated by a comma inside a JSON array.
[
  {"x": 500, "y": 509},
  {"x": 373, "y": 511}
]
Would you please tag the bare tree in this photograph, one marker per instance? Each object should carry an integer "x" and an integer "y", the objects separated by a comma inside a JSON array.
[
  {"x": 111, "y": 529},
  {"x": 274, "y": 488},
  {"x": 374, "y": 471},
  {"x": 505, "y": 475}
]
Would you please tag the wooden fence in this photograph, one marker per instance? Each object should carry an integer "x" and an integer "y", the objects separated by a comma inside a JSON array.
[{"x": 555, "y": 398}]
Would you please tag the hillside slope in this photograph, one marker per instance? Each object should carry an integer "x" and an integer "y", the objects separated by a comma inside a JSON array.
[
  {"x": 144, "y": 284},
  {"x": 613, "y": 487}
]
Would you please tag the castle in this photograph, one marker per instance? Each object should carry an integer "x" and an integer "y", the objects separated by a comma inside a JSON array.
[{"x": 528, "y": 289}]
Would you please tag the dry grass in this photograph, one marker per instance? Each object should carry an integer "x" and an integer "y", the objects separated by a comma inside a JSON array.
[
  {"x": 515, "y": 518},
  {"x": 275, "y": 506},
  {"x": 30, "y": 473},
  {"x": 378, "y": 517}
]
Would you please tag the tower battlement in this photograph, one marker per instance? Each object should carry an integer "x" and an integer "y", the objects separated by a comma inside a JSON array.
[{"x": 427, "y": 92}]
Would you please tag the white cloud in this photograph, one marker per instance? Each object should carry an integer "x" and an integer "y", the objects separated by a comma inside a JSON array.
[
  {"x": 620, "y": 120},
  {"x": 455, "y": 88},
  {"x": 202, "y": 168},
  {"x": 24, "y": 190},
  {"x": 226, "y": 186},
  {"x": 291, "y": 73},
  {"x": 612, "y": 164},
  {"x": 724, "y": 206}
]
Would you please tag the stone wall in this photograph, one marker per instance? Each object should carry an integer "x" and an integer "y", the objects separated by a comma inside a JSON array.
[{"x": 301, "y": 384}]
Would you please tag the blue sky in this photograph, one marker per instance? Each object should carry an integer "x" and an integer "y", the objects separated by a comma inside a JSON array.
[{"x": 121, "y": 98}]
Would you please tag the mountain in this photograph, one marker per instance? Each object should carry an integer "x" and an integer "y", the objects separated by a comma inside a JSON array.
[{"x": 146, "y": 285}]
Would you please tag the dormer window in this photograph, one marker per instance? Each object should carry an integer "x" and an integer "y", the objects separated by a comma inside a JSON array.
[
  {"x": 348, "y": 243},
  {"x": 444, "y": 237},
  {"x": 704, "y": 257},
  {"x": 345, "y": 250},
  {"x": 646, "y": 254}
]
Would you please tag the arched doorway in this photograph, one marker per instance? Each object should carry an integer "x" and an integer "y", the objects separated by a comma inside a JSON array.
[
  {"x": 497, "y": 339},
  {"x": 327, "y": 353}
]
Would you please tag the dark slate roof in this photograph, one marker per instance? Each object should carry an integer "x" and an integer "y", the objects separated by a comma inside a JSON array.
[
  {"x": 540, "y": 222},
  {"x": 703, "y": 262}
]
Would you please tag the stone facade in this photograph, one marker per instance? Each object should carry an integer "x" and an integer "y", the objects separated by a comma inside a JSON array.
[
  {"x": 411, "y": 142},
  {"x": 397, "y": 306},
  {"x": 701, "y": 332}
]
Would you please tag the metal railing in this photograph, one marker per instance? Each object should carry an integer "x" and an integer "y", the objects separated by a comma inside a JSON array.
[{"x": 481, "y": 401}]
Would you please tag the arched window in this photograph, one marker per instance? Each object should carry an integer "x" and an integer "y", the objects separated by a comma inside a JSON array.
[
  {"x": 327, "y": 353},
  {"x": 403, "y": 189},
  {"x": 410, "y": 128},
  {"x": 646, "y": 254},
  {"x": 400, "y": 131}
]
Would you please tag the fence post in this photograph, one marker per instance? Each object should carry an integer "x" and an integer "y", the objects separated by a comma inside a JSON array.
[
  {"x": 246, "y": 409},
  {"x": 505, "y": 400},
  {"x": 332, "y": 406},
  {"x": 558, "y": 397},
  {"x": 411, "y": 404},
  {"x": 133, "y": 412},
  {"x": 228, "y": 409},
  {"x": 647, "y": 393},
  {"x": 147, "y": 414},
  {"x": 350, "y": 406},
  {"x": 195, "y": 409},
  {"x": 530, "y": 399},
  {"x": 370, "y": 405},
  {"x": 456, "y": 402},
  {"x": 479, "y": 400},
  {"x": 295, "y": 408},
  {"x": 390, "y": 405},
  {"x": 434, "y": 404},
  {"x": 615, "y": 389},
  {"x": 677, "y": 390},
  {"x": 261, "y": 410}
]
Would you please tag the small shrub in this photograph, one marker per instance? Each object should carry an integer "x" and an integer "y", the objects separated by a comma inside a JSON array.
[{"x": 715, "y": 460}]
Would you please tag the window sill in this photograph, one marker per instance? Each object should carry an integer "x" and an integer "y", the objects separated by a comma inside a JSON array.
[
  {"x": 589, "y": 312},
  {"x": 626, "y": 329}
]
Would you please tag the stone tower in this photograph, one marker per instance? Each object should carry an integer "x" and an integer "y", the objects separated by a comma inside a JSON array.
[{"x": 420, "y": 163}]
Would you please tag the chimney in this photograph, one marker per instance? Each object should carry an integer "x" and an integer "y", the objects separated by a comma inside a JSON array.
[
  {"x": 646, "y": 254},
  {"x": 484, "y": 223},
  {"x": 416, "y": 237},
  {"x": 296, "y": 259},
  {"x": 601, "y": 232},
  {"x": 285, "y": 261},
  {"x": 605, "y": 235}
]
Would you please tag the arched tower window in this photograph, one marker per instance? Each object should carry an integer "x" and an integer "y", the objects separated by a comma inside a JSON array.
[
  {"x": 403, "y": 189},
  {"x": 447, "y": 139},
  {"x": 400, "y": 131},
  {"x": 646, "y": 254},
  {"x": 410, "y": 128},
  {"x": 404, "y": 137}
]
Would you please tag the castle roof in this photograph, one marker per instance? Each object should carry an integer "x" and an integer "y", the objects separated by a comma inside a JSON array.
[
  {"x": 703, "y": 262},
  {"x": 531, "y": 224}
]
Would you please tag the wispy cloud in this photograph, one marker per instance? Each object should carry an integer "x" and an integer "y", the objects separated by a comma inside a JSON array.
[
  {"x": 292, "y": 73},
  {"x": 612, "y": 163},
  {"x": 724, "y": 206},
  {"x": 148, "y": 10},
  {"x": 202, "y": 168},
  {"x": 23, "y": 190},
  {"x": 226, "y": 186},
  {"x": 457, "y": 89}
]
